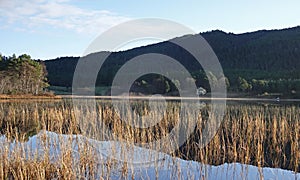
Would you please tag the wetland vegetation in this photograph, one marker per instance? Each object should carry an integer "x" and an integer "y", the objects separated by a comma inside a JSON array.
[{"x": 264, "y": 135}]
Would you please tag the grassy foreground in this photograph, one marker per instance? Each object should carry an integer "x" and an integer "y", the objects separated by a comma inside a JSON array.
[{"x": 260, "y": 135}]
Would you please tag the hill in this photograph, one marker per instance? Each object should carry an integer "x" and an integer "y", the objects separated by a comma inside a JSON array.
[{"x": 255, "y": 62}]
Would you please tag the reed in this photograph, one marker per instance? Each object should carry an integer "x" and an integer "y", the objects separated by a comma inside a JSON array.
[{"x": 260, "y": 135}]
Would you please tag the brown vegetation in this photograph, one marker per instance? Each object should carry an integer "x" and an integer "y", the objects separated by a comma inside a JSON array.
[
  {"x": 261, "y": 135},
  {"x": 30, "y": 96}
]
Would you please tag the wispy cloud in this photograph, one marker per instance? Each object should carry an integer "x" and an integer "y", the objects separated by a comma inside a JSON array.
[{"x": 20, "y": 14}]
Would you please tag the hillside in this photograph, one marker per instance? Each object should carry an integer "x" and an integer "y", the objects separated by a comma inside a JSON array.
[{"x": 255, "y": 62}]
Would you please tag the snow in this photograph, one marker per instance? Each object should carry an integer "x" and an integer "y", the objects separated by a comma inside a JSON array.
[{"x": 141, "y": 163}]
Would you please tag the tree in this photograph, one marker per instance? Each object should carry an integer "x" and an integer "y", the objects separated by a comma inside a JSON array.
[
  {"x": 260, "y": 86},
  {"x": 213, "y": 80},
  {"x": 244, "y": 85},
  {"x": 22, "y": 75}
]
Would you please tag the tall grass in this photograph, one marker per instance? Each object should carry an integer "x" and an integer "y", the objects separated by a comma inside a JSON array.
[
  {"x": 264, "y": 136},
  {"x": 260, "y": 135}
]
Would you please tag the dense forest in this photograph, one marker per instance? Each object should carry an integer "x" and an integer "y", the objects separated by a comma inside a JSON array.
[
  {"x": 261, "y": 62},
  {"x": 266, "y": 61},
  {"x": 22, "y": 75}
]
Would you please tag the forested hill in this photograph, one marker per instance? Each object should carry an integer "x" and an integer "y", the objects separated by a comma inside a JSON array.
[
  {"x": 261, "y": 50},
  {"x": 269, "y": 55}
]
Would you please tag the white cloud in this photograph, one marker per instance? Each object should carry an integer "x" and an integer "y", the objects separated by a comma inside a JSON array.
[{"x": 57, "y": 14}]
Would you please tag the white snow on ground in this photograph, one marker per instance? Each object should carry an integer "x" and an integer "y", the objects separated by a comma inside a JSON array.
[{"x": 142, "y": 163}]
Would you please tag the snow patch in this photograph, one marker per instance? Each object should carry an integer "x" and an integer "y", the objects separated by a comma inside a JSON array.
[{"x": 141, "y": 163}]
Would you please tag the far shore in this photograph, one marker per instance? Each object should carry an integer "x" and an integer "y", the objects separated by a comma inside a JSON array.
[
  {"x": 29, "y": 96},
  {"x": 133, "y": 97},
  {"x": 177, "y": 98}
]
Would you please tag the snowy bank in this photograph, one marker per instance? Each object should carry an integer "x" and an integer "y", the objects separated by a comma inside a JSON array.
[{"x": 140, "y": 163}]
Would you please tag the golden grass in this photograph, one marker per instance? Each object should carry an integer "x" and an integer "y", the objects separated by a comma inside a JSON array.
[
  {"x": 30, "y": 96},
  {"x": 252, "y": 134},
  {"x": 265, "y": 136}
]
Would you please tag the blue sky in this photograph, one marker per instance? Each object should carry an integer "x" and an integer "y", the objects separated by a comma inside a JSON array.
[{"x": 47, "y": 29}]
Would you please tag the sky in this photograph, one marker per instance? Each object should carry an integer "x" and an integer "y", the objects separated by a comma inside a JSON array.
[{"x": 46, "y": 29}]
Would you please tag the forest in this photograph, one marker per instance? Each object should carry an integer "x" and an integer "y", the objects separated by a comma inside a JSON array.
[
  {"x": 257, "y": 63},
  {"x": 261, "y": 62},
  {"x": 22, "y": 75}
]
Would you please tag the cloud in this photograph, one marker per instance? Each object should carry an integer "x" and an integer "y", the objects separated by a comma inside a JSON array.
[{"x": 56, "y": 14}]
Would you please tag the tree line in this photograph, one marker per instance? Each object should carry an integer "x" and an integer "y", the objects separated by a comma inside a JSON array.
[
  {"x": 22, "y": 75},
  {"x": 256, "y": 62}
]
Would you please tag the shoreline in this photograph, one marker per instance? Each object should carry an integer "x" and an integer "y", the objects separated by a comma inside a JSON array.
[
  {"x": 29, "y": 96},
  {"x": 205, "y": 98},
  {"x": 177, "y": 98}
]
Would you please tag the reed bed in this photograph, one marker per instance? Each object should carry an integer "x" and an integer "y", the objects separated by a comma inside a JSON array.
[{"x": 260, "y": 135}]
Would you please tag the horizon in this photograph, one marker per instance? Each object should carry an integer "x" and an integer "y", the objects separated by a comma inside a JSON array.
[
  {"x": 134, "y": 45},
  {"x": 47, "y": 29}
]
